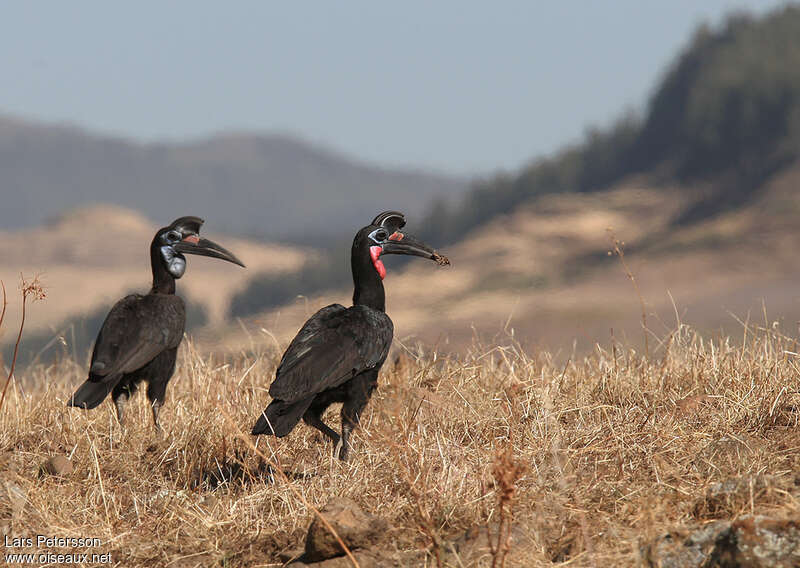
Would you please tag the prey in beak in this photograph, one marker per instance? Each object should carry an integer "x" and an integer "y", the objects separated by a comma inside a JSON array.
[
  {"x": 385, "y": 237},
  {"x": 403, "y": 243}
]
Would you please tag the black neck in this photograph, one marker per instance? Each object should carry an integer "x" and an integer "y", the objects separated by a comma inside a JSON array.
[
  {"x": 368, "y": 286},
  {"x": 163, "y": 281}
]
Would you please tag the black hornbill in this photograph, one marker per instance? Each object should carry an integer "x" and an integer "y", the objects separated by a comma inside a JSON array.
[
  {"x": 140, "y": 336},
  {"x": 337, "y": 354}
]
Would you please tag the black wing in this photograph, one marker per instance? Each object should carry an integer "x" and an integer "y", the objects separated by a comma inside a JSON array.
[
  {"x": 333, "y": 346},
  {"x": 136, "y": 330}
]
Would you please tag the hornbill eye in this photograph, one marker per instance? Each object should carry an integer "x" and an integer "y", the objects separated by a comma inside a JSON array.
[
  {"x": 174, "y": 236},
  {"x": 381, "y": 235}
]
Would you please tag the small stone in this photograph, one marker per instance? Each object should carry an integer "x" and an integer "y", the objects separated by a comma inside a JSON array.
[
  {"x": 57, "y": 465},
  {"x": 356, "y": 528},
  {"x": 686, "y": 548},
  {"x": 748, "y": 542},
  {"x": 367, "y": 559},
  {"x": 692, "y": 405},
  {"x": 291, "y": 555},
  {"x": 760, "y": 542}
]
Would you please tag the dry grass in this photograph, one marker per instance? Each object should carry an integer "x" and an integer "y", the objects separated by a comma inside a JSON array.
[{"x": 607, "y": 452}]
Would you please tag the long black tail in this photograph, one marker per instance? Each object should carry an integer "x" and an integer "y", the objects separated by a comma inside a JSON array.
[
  {"x": 280, "y": 417},
  {"x": 90, "y": 394}
]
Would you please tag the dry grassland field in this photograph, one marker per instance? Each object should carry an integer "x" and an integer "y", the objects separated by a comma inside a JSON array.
[
  {"x": 592, "y": 362},
  {"x": 578, "y": 462},
  {"x": 479, "y": 448}
]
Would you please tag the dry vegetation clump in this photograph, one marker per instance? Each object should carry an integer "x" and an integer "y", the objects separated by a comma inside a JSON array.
[{"x": 578, "y": 461}]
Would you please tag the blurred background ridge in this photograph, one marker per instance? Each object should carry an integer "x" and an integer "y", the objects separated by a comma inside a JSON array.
[{"x": 699, "y": 178}]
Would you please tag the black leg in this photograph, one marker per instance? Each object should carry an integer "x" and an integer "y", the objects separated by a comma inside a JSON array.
[
  {"x": 121, "y": 395},
  {"x": 159, "y": 370},
  {"x": 351, "y": 414},
  {"x": 358, "y": 394},
  {"x": 155, "y": 407},
  {"x": 156, "y": 391},
  {"x": 313, "y": 419},
  {"x": 120, "y": 401}
]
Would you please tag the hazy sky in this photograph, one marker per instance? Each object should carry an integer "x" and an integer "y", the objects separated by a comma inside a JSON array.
[{"x": 459, "y": 86}]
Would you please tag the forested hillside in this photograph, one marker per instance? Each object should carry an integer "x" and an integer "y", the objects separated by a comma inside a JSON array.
[
  {"x": 725, "y": 117},
  {"x": 726, "y": 111}
]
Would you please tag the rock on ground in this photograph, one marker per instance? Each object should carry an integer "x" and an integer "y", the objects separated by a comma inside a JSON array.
[
  {"x": 751, "y": 541},
  {"x": 356, "y": 528},
  {"x": 757, "y": 542},
  {"x": 56, "y": 465},
  {"x": 369, "y": 559},
  {"x": 685, "y": 548}
]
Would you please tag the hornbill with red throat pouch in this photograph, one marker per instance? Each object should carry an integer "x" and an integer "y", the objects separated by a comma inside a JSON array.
[
  {"x": 338, "y": 352},
  {"x": 140, "y": 336}
]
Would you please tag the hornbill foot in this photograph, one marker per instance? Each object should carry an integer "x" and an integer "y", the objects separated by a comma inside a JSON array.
[
  {"x": 339, "y": 450},
  {"x": 120, "y": 403},
  {"x": 155, "y": 408}
]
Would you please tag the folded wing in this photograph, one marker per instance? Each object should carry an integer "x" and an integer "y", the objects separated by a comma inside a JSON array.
[
  {"x": 135, "y": 331},
  {"x": 333, "y": 346}
]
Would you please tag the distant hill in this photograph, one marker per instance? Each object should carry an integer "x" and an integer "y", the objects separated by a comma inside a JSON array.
[
  {"x": 90, "y": 257},
  {"x": 266, "y": 186},
  {"x": 545, "y": 273},
  {"x": 726, "y": 113},
  {"x": 722, "y": 123}
]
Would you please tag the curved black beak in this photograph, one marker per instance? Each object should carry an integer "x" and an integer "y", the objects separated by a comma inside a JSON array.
[
  {"x": 403, "y": 243},
  {"x": 206, "y": 247}
]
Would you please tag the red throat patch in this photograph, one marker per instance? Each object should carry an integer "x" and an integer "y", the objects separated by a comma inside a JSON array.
[{"x": 374, "y": 254}]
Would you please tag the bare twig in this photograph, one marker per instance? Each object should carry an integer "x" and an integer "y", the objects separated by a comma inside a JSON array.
[
  {"x": 618, "y": 248},
  {"x": 5, "y": 303},
  {"x": 35, "y": 290},
  {"x": 3, "y": 316},
  {"x": 506, "y": 472}
]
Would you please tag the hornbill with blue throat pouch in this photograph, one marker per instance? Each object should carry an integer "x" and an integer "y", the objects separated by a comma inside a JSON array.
[
  {"x": 139, "y": 338},
  {"x": 338, "y": 352}
]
